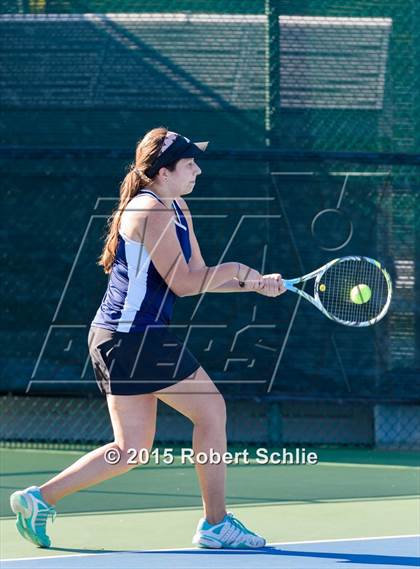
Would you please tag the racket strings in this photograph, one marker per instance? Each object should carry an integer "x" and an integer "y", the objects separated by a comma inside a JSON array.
[{"x": 347, "y": 276}]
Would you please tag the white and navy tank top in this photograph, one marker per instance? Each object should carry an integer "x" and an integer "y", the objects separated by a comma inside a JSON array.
[{"x": 136, "y": 295}]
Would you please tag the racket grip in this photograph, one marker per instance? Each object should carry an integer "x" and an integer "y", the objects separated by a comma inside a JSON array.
[{"x": 288, "y": 284}]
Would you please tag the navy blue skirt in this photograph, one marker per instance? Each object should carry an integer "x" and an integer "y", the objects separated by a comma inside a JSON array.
[{"x": 136, "y": 363}]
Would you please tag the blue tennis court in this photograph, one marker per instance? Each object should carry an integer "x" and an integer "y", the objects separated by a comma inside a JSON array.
[{"x": 383, "y": 552}]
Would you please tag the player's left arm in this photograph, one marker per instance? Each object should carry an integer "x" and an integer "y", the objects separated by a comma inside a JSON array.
[{"x": 197, "y": 262}]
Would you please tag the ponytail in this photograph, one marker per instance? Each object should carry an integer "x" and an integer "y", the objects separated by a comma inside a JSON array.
[{"x": 147, "y": 151}]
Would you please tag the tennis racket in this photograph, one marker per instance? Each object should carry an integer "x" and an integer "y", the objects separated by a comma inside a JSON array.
[{"x": 354, "y": 291}]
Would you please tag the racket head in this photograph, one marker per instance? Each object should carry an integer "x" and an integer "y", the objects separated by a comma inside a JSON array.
[{"x": 334, "y": 285}]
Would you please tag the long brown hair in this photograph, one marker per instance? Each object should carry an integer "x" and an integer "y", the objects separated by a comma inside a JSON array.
[{"x": 147, "y": 150}]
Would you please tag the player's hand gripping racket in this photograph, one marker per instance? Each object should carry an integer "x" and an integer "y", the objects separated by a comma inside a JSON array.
[{"x": 354, "y": 291}]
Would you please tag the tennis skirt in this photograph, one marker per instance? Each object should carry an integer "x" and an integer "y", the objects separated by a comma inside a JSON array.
[{"x": 136, "y": 363}]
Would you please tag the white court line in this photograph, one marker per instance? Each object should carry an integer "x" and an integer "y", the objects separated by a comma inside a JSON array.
[
  {"x": 348, "y": 539},
  {"x": 195, "y": 549}
]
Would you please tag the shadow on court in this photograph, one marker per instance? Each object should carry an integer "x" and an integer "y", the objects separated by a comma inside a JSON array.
[{"x": 357, "y": 558}]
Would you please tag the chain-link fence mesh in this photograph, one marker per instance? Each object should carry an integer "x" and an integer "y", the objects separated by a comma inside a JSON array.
[
  {"x": 326, "y": 75},
  {"x": 252, "y": 421},
  {"x": 83, "y": 81}
]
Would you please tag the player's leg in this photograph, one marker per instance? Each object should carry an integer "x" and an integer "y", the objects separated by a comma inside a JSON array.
[
  {"x": 198, "y": 399},
  {"x": 133, "y": 421}
]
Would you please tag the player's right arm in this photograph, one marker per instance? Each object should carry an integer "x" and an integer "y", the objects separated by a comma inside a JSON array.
[{"x": 156, "y": 229}]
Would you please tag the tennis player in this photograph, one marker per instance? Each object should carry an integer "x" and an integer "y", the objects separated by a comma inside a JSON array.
[{"x": 152, "y": 256}]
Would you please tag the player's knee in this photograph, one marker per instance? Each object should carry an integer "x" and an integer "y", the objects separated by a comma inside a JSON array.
[
  {"x": 133, "y": 453},
  {"x": 213, "y": 413}
]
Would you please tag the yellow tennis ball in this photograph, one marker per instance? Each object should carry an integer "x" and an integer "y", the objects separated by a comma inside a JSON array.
[
  {"x": 322, "y": 287},
  {"x": 360, "y": 294}
]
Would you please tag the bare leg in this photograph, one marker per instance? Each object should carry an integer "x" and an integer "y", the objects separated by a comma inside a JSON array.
[
  {"x": 133, "y": 420},
  {"x": 198, "y": 399}
]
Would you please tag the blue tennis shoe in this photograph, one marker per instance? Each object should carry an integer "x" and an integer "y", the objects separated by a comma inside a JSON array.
[
  {"x": 32, "y": 514},
  {"x": 229, "y": 533}
]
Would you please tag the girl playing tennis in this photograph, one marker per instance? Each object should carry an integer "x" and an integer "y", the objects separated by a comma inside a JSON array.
[{"x": 152, "y": 256}]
